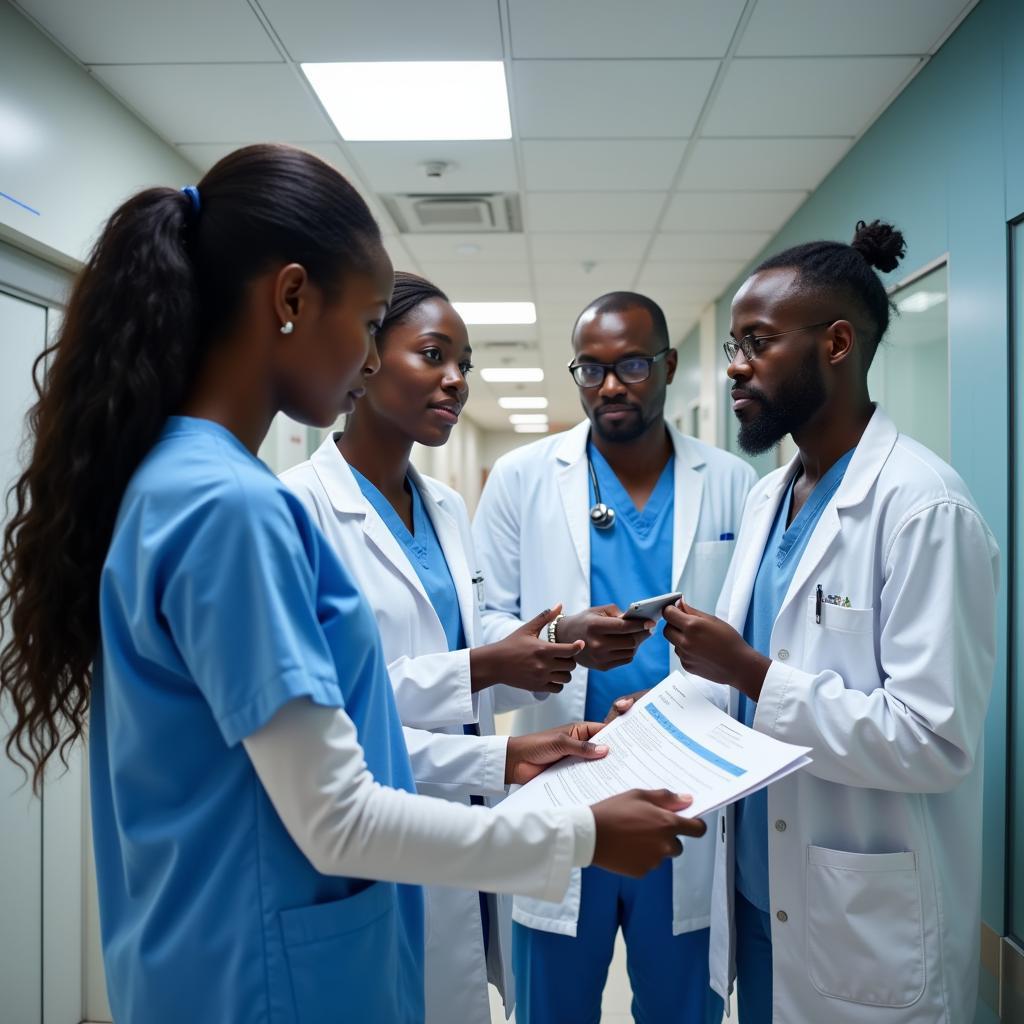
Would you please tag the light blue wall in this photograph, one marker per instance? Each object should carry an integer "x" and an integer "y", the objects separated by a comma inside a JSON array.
[{"x": 946, "y": 164}]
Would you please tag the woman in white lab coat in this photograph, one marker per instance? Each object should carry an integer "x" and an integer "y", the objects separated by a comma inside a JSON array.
[{"x": 406, "y": 539}]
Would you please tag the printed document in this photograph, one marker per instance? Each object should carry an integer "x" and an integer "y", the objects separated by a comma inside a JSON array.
[{"x": 673, "y": 738}]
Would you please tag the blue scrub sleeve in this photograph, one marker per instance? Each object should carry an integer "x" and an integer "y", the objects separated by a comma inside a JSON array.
[{"x": 240, "y": 603}]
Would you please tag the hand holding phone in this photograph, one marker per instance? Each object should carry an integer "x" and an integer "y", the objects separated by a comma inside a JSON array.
[{"x": 650, "y": 607}]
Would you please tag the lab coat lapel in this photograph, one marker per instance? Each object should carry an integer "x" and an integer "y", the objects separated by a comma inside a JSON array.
[
  {"x": 573, "y": 491},
  {"x": 346, "y": 497},
  {"x": 748, "y": 556},
  {"x": 688, "y": 495},
  {"x": 452, "y": 546},
  {"x": 873, "y": 449}
]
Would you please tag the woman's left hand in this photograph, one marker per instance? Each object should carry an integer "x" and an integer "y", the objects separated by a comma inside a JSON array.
[{"x": 529, "y": 755}]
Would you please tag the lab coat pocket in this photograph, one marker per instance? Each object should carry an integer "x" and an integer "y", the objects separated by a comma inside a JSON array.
[
  {"x": 864, "y": 929},
  {"x": 344, "y": 954},
  {"x": 843, "y": 642},
  {"x": 711, "y": 560}
]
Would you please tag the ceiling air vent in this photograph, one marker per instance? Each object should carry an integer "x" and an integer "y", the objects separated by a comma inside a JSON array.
[{"x": 491, "y": 212}]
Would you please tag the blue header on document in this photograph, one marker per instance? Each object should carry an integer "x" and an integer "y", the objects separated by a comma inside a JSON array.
[{"x": 708, "y": 755}]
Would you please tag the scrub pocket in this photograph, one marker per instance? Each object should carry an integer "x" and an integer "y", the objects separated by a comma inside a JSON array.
[
  {"x": 865, "y": 934},
  {"x": 711, "y": 560},
  {"x": 350, "y": 960}
]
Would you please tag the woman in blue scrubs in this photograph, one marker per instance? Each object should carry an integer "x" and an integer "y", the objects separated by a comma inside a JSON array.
[{"x": 248, "y": 770}]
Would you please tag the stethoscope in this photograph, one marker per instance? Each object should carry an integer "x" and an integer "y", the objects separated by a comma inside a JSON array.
[{"x": 601, "y": 515}]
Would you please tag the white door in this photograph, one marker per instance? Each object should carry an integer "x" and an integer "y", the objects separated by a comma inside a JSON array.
[{"x": 22, "y": 337}]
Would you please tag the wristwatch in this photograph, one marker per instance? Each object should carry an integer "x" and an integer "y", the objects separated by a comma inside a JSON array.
[{"x": 553, "y": 629}]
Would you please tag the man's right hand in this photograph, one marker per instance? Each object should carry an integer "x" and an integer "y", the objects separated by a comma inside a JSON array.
[
  {"x": 611, "y": 641},
  {"x": 637, "y": 830}
]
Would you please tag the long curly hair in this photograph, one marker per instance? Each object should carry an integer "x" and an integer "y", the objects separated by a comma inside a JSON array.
[{"x": 165, "y": 280}]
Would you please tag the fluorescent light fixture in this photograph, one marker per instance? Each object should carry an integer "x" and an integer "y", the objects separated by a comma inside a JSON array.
[
  {"x": 414, "y": 101},
  {"x": 513, "y": 375},
  {"x": 528, "y": 417},
  {"x": 531, "y": 428},
  {"x": 523, "y": 403},
  {"x": 497, "y": 312},
  {"x": 920, "y": 302}
]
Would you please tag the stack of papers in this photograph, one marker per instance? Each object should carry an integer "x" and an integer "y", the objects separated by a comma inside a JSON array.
[{"x": 672, "y": 738}]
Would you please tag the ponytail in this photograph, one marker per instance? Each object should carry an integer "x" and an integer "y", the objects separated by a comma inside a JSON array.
[{"x": 164, "y": 281}]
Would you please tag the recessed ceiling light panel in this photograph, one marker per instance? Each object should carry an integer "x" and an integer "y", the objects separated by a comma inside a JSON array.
[{"x": 414, "y": 101}]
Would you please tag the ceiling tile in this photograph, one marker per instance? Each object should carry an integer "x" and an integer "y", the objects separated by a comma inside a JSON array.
[
  {"x": 222, "y": 103},
  {"x": 593, "y": 211},
  {"x": 807, "y": 96},
  {"x": 608, "y": 28},
  {"x": 470, "y": 248},
  {"x": 714, "y": 274},
  {"x": 550, "y": 248},
  {"x": 503, "y": 332},
  {"x": 791, "y": 27},
  {"x": 566, "y": 99},
  {"x": 730, "y": 211},
  {"x": 456, "y": 275},
  {"x": 757, "y": 164},
  {"x": 336, "y": 30},
  {"x": 711, "y": 245},
  {"x": 490, "y": 293},
  {"x": 573, "y": 296},
  {"x": 141, "y": 32},
  {"x": 629, "y": 166},
  {"x": 474, "y": 166},
  {"x": 608, "y": 275}
]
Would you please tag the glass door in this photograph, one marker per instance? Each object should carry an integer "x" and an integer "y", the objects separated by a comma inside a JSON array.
[{"x": 1012, "y": 960}]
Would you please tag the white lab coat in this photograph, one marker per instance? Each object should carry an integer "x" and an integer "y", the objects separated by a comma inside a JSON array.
[
  {"x": 875, "y": 848},
  {"x": 532, "y": 532},
  {"x": 432, "y": 690}
]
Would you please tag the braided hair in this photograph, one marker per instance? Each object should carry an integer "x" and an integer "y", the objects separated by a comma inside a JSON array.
[{"x": 849, "y": 272}]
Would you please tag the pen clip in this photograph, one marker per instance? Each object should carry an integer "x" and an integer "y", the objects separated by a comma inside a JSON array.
[{"x": 817, "y": 605}]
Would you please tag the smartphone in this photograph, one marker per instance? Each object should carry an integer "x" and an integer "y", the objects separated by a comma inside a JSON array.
[{"x": 650, "y": 607}]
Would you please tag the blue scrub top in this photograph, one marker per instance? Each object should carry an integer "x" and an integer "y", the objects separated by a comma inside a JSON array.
[
  {"x": 220, "y": 601},
  {"x": 628, "y": 562},
  {"x": 782, "y": 554},
  {"x": 423, "y": 549}
]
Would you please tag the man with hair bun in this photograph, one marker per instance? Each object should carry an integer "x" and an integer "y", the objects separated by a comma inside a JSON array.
[{"x": 858, "y": 619}]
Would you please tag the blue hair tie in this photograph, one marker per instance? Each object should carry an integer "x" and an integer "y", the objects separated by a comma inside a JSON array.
[{"x": 193, "y": 193}]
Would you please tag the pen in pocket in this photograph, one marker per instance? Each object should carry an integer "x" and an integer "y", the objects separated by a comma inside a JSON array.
[{"x": 817, "y": 605}]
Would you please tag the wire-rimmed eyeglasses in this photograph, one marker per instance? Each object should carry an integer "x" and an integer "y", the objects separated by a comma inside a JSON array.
[{"x": 752, "y": 346}]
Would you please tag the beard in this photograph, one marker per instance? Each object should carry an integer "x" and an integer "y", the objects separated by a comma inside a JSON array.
[
  {"x": 626, "y": 430},
  {"x": 800, "y": 398}
]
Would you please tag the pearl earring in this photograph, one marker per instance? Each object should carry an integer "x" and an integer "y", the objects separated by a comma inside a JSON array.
[{"x": 287, "y": 328}]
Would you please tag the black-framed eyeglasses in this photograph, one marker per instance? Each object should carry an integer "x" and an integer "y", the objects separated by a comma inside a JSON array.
[
  {"x": 631, "y": 370},
  {"x": 752, "y": 347}
]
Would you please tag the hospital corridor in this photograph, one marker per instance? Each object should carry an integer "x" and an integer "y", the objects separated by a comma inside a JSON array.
[{"x": 514, "y": 511}]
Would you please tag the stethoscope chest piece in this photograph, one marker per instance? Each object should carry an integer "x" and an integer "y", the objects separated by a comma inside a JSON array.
[{"x": 602, "y": 516}]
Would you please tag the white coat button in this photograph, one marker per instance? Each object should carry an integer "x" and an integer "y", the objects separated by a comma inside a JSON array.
[
  {"x": 780, "y": 826},
  {"x": 782, "y": 916},
  {"x": 783, "y": 654}
]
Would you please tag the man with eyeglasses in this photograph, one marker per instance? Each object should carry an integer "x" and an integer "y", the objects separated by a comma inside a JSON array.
[
  {"x": 546, "y": 535},
  {"x": 858, "y": 620}
]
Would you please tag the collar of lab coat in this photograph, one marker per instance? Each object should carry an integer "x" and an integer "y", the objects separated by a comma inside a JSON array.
[
  {"x": 347, "y": 499},
  {"x": 872, "y": 451},
  {"x": 573, "y": 488},
  {"x": 342, "y": 487}
]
